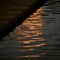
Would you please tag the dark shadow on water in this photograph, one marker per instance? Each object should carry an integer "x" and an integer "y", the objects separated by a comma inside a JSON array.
[{"x": 22, "y": 17}]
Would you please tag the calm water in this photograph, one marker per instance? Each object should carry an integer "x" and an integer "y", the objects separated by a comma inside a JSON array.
[{"x": 38, "y": 38}]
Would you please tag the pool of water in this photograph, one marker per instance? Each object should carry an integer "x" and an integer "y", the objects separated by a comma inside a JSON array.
[{"x": 37, "y": 38}]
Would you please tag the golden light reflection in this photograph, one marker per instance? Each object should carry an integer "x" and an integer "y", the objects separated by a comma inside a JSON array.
[
  {"x": 39, "y": 38},
  {"x": 27, "y": 42},
  {"x": 34, "y": 17},
  {"x": 31, "y": 49},
  {"x": 25, "y": 50},
  {"x": 28, "y": 56},
  {"x": 39, "y": 10},
  {"x": 30, "y": 41},
  {"x": 33, "y": 27},
  {"x": 32, "y": 46},
  {"x": 23, "y": 37},
  {"x": 26, "y": 22}
]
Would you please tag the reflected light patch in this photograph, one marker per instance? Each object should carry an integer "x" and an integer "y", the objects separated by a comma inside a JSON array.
[
  {"x": 31, "y": 49},
  {"x": 28, "y": 56},
  {"x": 26, "y": 50},
  {"x": 27, "y": 42},
  {"x": 33, "y": 46},
  {"x": 35, "y": 17},
  {"x": 40, "y": 10},
  {"x": 30, "y": 41},
  {"x": 39, "y": 38},
  {"x": 26, "y": 22}
]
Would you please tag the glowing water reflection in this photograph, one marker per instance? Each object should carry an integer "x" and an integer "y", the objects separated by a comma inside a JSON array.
[
  {"x": 28, "y": 56},
  {"x": 31, "y": 28}
]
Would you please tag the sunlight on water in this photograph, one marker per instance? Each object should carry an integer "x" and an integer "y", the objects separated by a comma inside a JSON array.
[
  {"x": 32, "y": 46},
  {"x": 35, "y": 38},
  {"x": 32, "y": 25},
  {"x": 29, "y": 56}
]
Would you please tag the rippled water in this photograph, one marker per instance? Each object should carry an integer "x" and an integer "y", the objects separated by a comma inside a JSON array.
[{"x": 37, "y": 38}]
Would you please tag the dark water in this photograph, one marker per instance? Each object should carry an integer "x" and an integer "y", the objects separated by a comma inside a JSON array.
[{"x": 38, "y": 38}]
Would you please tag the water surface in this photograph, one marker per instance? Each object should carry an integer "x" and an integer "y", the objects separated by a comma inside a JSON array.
[{"x": 36, "y": 38}]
